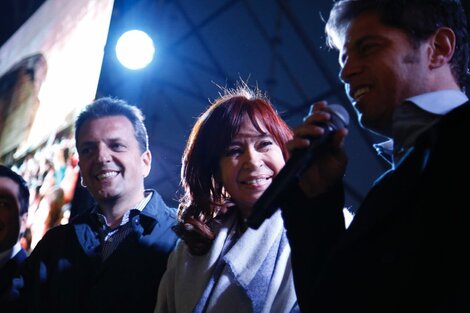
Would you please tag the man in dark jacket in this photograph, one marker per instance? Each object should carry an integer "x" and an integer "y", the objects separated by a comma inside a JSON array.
[
  {"x": 110, "y": 258},
  {"x": 14, "y": 203},
  {"x": 404, "y": 65}
]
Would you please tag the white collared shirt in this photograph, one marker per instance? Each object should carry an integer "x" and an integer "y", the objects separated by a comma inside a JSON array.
[
  {"x": 437, "y": 102},
  {"x": 440, "y": 102}
]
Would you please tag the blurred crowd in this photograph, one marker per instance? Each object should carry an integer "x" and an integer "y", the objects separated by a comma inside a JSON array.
[{"x": 52, "y": 173}]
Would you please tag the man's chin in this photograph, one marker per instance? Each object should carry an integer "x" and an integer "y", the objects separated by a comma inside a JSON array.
[{"x": 106, "y": 196}]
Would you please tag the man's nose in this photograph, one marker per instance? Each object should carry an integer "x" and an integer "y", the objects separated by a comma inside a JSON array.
[
  {"x": 104, "y": 154},
  {"x": 349, "y": 69}
]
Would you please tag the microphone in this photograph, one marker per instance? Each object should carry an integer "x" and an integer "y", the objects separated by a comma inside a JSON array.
[{"x": 268, "y": 203}]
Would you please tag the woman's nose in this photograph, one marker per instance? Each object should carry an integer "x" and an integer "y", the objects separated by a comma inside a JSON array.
[{"x": 253, "y": 160}]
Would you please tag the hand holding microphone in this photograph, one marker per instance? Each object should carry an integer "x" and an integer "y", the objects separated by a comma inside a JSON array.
[
  {"x": 325, "y": 138},
  {"x": 317, "y": 157}
]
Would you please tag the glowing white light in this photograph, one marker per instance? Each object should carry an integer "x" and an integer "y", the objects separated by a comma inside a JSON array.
[{"x": 135, "y": 49}]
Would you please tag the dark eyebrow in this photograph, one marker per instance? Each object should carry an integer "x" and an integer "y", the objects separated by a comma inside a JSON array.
[
  {"x": 115, "y": 140},
  {"x": 94, "y": 142},
  {"x": 6, "y": 197},
  {"x": 360, "y": 41},
  {"x": 356, "y": 44},
  {"x": 86, "y": 143}
]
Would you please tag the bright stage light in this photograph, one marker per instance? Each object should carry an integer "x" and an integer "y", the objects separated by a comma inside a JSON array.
[{"x": 135, "y": 49}]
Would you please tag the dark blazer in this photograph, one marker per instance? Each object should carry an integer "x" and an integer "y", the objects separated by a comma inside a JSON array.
[
  {"x": 11, "y": 281},
  {"x": 65, "y": 273},
  {"x": 407, "y": 249}
]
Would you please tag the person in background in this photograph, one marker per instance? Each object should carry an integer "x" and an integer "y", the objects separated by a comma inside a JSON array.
[
  {"x": 47, "y": 215},
  {"x": 404, "y": 64},
  {"x": 14, "y": 202},
  {"x": 234, "y": 151},
  {"x": 111, "y": 257}
]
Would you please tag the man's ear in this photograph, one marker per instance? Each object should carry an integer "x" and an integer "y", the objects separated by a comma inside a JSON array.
[
  {"x": 23, "y": 222},
  {"x": 146, "y": 163},
  {"x": 82, "y": 183},
  {"x": 442, "y": 47}
]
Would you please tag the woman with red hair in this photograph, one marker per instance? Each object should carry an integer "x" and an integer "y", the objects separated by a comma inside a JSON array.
[{"x": 234, "y": 151}]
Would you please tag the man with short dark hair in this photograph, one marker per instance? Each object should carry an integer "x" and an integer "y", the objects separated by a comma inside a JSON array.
[
  {"x": 14, "y": 203},
  {"x": 404, "y": 65},
  {"x": 110, "y": 258}
]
